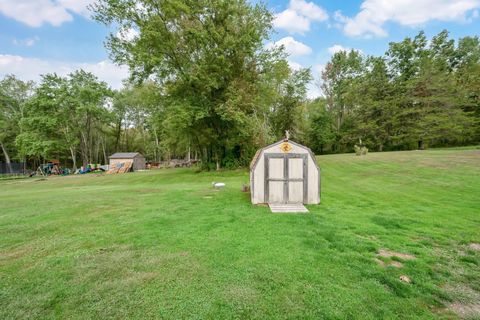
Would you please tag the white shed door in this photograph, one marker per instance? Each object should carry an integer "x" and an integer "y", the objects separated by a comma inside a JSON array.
[
  {"x": 285, "y": 178},
  {"x": 295, "y": 180},
  {"x": 276, "y": 179}
]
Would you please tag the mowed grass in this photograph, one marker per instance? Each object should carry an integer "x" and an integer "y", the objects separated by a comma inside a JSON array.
[{"x": 164, "y": 244}]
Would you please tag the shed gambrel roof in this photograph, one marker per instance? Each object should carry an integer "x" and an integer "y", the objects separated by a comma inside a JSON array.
[
  {"x": 125, "y": 155},
  {"x": 254, "y": 161}
]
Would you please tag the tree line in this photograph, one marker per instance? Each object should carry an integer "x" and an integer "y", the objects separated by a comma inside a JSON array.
[
  {"x": 419, "y": 94},
  {"x": 204, "y": 85}
]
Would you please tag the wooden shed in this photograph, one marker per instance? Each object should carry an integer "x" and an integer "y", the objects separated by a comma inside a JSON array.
[
  {"x": 136, "y": 159},
  {"x": 285, "y": 173}
]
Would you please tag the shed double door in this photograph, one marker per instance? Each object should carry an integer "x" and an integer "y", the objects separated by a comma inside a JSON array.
[{"x": 286, "y": 178}]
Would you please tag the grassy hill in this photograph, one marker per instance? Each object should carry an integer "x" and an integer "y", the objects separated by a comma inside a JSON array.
[{"x": 164, "y": 244}]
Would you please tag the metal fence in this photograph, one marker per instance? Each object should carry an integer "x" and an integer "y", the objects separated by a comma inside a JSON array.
[{"x": 16, "y": 168}]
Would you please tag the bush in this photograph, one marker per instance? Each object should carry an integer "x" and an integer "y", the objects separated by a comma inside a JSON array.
[{"x": 360, "y": 150}]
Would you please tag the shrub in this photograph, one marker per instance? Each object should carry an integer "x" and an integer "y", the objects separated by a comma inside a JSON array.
[{"x": 360, "y": 149}]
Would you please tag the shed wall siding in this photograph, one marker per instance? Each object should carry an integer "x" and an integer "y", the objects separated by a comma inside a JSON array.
[
  {"x": 313, "y": 183},
  {"x": 139, "y": 163},
  {"x": 259, "y": 178}
]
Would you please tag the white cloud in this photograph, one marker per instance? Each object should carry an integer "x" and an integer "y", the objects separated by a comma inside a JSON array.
[
  {"x": 291, "y": 21},
  {"x": 29, "y": 42},
  {"x": 309, "y": 10},
  {"x": 374, "y": 14},
  {"x": 337, "y": 48},
  {"x": 298, "y": 16},
  {"x": 31, "y": 69},
  {"x": 295, "y": 66},
  {"x": 292, "y": 46},
  {"x": 77, "y": 6},
  {"x": 35, "y": 13}
]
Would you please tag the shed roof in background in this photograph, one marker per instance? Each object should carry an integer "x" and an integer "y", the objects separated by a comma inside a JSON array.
[{"x": 125, "y": 155}]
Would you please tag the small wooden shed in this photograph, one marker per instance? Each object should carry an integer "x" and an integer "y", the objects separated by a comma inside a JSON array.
[
  {"x": 136, "y": 159},
  {"x": 285, "y": 172}
]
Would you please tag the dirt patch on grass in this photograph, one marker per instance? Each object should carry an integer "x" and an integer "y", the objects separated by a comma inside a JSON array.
[
  {"x": 466, "y": 301},
  {"x": 466, "y": 311},
  {"x": 395, "y": 264},
  {"x": 389, "y": 254},
  {"x": 474, "y": 246}
]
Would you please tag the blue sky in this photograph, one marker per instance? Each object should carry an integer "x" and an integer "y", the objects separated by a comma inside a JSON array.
[{"x": 39, "y": 36}]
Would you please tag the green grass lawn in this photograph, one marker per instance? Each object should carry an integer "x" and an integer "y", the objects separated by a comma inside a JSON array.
[{"x": 164, "y": 244}]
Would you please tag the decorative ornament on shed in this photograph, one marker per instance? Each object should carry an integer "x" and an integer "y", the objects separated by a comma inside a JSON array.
[{"x": 285, "y": 172}]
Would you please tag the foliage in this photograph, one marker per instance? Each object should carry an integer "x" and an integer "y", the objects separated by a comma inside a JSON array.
[
  {"x": 65, "y": 114},
  {"x": 14, "y": 95},
  {"x": 203, "y": 86},
  {"x": 209, "y": 58},
  {"x": 288, "y": 112},
  {"x": 419, "y": 94}
]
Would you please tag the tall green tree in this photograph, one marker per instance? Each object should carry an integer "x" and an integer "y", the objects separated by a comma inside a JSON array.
[
  {"x": 66, "y": 114},
  {"x": 138, "y": 114},
  {"x": 468, "y": 79},
  {"x": 208, "y": 55},
  {"x": 14, "y": 94},
  {"x": 321, "y": 130},
  {"x": 340, "y": 81},
  {"x": 288, "y": 111},
  {"x": 376, "y": 114}
]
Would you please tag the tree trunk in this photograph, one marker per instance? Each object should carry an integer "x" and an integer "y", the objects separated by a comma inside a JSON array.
[
  {"x": 7, "y": 158},
  {"x": 420, "y": 144},
  {"x": 88, "y": 149},
  {"x": 157, "y": 146},
  {"x": 104, "y": 151},
  {"x": 97, "y": 150},
  {"x": 74, "y": 158},
  {"x": 83, "y": 150},
  {"x": 127, "y": 147},
  {"x": 117, "y": 135}
]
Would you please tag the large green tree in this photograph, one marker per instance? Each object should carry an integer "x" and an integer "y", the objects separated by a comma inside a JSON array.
[
  {"x": 209, "y": 57},
  {"x": 14, "y": 95},
  {"x": 340, "y": 81},
  {"x": 288, "y": 111},
  {"x": 66, "y": 114},
  {"x": 321, "y": 131},
  {"x": 138, "y": 114}
]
